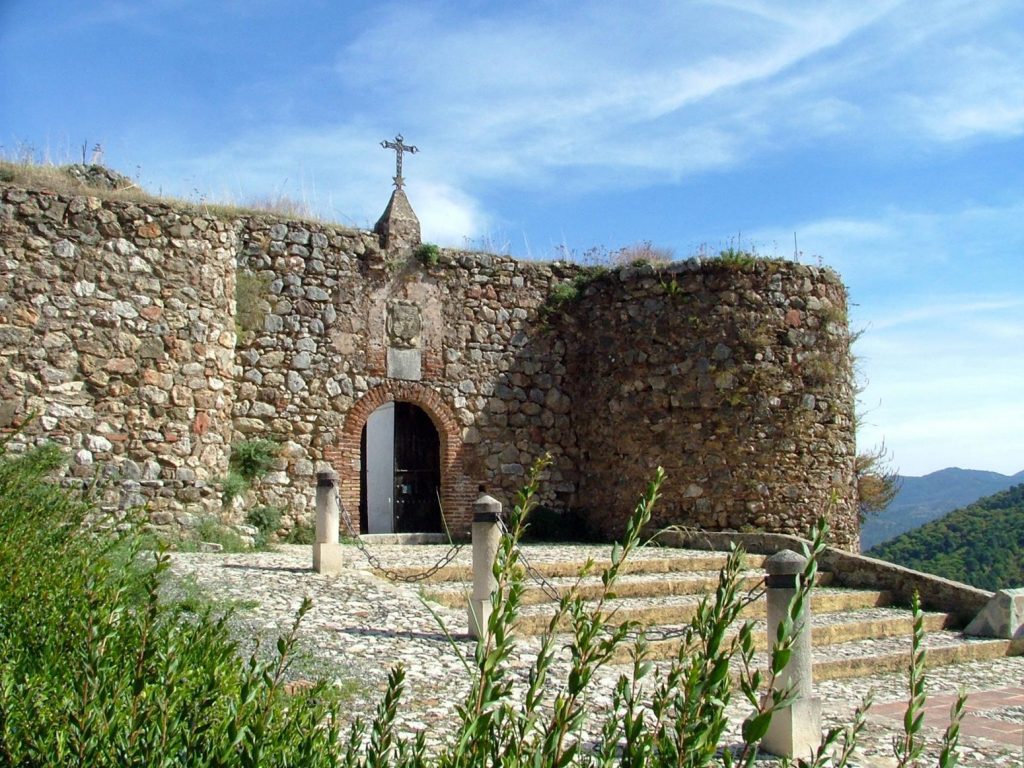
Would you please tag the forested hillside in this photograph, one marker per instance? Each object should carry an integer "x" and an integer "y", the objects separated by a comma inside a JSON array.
[
  {"x": 923, "y": 499},
  {"x": 981, "y": 544}
]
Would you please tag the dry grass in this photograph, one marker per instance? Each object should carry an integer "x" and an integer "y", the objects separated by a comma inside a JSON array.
[
  {"x": 643, "y": 252},
  {"x": 55, "y": 178}
]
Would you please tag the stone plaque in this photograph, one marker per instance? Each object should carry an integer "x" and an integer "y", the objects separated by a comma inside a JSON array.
[
  {"x": 404, "y": 325},
  {"x": 405, "y": 364}
]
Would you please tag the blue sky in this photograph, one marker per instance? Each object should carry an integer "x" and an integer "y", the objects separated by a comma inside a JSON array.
[{"x": 887, "y": 136}]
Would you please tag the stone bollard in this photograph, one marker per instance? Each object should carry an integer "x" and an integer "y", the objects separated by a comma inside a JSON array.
[
  {"x": 327, "y": 554},
  {"x": 795, "y": 732},
  {"x": 486, "y": 538}
]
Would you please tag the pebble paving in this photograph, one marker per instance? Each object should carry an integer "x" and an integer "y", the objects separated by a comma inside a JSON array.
[{"x": 361, "y": 625}]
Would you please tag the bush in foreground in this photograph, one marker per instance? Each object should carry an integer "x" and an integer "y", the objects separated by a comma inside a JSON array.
[{"x": 95, "y": 670}]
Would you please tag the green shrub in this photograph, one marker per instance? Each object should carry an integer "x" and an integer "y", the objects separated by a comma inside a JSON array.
[
  {"x": 249, "y": 460},
  {"x": 428, "y": 254},
  {"x": 96, "y": 670},
  {"x": 300, "y": 534},
  {"x": 232, "y": 485},
  {"x": 212, "y": 531},
  {"x": 253, "y": 458},
  {"x": 571, "y": 290},
  {"x": 266, "y": 520},
  {"x": 736, "y": 257},
  {"x": 563, "y": 293}
]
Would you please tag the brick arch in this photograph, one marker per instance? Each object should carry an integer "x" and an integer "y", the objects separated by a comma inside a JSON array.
[{"x": 456, "y": 488}]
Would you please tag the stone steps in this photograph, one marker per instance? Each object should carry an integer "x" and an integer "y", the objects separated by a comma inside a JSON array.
[
  {"x": 856, "y": 632},
  {"x": 675, "y": 610},
  {"x": 872, "y": 656},
  {"x": 646, "y": 561},
  {"x": 829, "y": 629},
  {"x": 633, "y": 585}
]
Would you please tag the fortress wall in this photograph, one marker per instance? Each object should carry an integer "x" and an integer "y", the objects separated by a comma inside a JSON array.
[
  {"x": 116, "y": 332},
  {"x": 118, "y": 326},
  {"x": 315, "y": 364},
  {"x": 735, "y": 378}
]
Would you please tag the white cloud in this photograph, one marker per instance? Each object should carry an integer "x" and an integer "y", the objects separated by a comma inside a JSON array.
[
  {"x": 982, "y": 92},
  {"x": 899, "y": 250},
  {"x": 598, "y": 85},
  {"x": 447, "y": 216},
  {"x": 669, "y": 90},
  {"x": 952, "y": 308},
  {"x": 605, "y": 96}
]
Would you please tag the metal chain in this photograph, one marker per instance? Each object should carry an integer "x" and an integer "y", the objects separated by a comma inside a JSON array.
[
  {"x": 377, "y": 565},
  {"x": 546, "y": 586}
]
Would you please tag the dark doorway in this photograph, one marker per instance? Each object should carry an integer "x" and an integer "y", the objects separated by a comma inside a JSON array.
[
  {"x": 417, "y": 471},
  {"x": 400, "y": 472}
]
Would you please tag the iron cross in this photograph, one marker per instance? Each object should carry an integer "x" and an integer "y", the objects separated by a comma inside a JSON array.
[{"x": 399, "y": 146}]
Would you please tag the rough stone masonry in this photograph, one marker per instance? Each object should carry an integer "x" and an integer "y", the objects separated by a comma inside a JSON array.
[{"x": 147, "y": 337}]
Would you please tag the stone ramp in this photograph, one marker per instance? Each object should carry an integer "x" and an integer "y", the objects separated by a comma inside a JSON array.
[{"x": 856, "y": 632}]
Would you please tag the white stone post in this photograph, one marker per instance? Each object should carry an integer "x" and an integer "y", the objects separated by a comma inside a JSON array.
[
  {"x": 486, "y": 538},
  {"x": 327, "y": 554},
  {"x": 795, "y": 732}
]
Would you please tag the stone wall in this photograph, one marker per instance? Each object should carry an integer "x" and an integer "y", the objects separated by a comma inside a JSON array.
[
  {"x": 735, "y": 377},
  {"x": 116, "y": 333},
  {"x": 119, "y": 326}
]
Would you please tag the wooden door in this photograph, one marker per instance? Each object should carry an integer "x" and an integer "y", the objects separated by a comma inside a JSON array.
[{"x": 417, "y": 507}]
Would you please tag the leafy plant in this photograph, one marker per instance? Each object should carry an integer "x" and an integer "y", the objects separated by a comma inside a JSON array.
[
  {"x": 249, "y": 461},
  {"x": 564, "y": 293},
  {"x": 571, "y": 290},
  {"x": 736, "y": 257},
  {"x": 300, "y": 534},
  {"x": 232, "y": 485},
  {"x": 908, "y": 747},
  {"x": 266, "y": 520},
  {"x": 428, "y": 254},
  {"x": 212, "y": 531},
  {"x": 96, "y": 669},
  {"x": 253, "y": 458},
  {"x": 671, "y": 287}
]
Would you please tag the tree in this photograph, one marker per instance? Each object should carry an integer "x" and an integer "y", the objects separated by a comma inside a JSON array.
[{"x": 877, "y": 481}]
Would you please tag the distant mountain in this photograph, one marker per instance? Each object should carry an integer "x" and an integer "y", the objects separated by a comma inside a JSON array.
[
  {"x": 921, "y": 499},
  {"x": 981, "y": 544}
]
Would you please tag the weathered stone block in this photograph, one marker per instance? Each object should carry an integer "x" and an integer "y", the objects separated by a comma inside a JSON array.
[
  {"x": 405, "y": 364},
  {"x": 1003, "y": 616}
]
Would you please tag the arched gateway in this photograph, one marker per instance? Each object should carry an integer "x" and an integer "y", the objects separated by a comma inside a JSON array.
[
  {"x": 400, "y": 472},
  {"x": 399, "y": 461}
]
